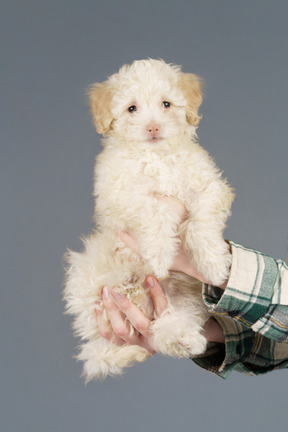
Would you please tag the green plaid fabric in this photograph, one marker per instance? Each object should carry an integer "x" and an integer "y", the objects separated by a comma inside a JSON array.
[{"x": 253, "y": 313}]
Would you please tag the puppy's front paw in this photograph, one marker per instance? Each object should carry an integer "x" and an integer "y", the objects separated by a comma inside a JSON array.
[
  {"x": 213, "y": 260},
  {"x": 216, "y": 270},
  {"x": 160, "y": 261},
  {"x": 161, "y": 268}
]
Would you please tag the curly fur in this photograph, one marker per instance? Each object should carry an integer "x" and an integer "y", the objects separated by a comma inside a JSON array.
[{"x": 148, "y": 113}]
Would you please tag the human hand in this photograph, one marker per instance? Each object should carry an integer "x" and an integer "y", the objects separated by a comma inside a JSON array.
[{"x": 125, "y": 316}]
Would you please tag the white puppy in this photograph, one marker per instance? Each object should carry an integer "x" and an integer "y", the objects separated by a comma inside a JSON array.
[{"x": 148, "y": 113}]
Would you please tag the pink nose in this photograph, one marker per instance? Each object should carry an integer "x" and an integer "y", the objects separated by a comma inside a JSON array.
[{"x": 153, "y": 129}]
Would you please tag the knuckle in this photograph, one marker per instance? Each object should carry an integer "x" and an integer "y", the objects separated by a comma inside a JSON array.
[
  {"x": 125, "y": 304},
  {"x": 121, "y": 331}
]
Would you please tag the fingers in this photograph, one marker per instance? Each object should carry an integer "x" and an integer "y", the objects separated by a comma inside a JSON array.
[
  {"x": 129, "y": 240},
  {"x": 124, "y": 318},
  {"x": 133, "y": 314},
  {"x": 105, "y": 330},
  {"x": 127, "y": 323},
  {"x": 158, "y": 297},
  {"x": 119, "y": 324}
]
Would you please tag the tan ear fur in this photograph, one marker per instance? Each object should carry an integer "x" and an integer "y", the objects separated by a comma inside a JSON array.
[
  {"x": 191, "y": 87},
  {"x": 100, "y": 96}
]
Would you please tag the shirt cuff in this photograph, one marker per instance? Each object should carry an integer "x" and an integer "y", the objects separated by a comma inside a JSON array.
[
  {"x": 222, "y": 358},
  {"x": 250, "y": 289}
]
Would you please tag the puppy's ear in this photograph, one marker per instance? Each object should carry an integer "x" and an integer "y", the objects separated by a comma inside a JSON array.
[
  {"x": 191, "y": 87},
  {"x": 100, "y": 96}
]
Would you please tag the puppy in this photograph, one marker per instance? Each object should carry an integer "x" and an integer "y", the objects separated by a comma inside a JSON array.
[{"x": 148, "y": 114}]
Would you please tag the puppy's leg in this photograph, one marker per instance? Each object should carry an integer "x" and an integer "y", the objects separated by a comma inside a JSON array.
[
  {"x": 104, "y": 262},
  {"x": 202, "y": 234},
  {"x": 157, "y": 236},
  {"x": 102, "y": 358},
  {"x": 178, "y": 332},
  {"x": 178, "y": 336},
  {"x": 208, "y": 251}
]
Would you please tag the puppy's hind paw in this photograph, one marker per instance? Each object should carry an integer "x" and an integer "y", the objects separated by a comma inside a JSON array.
[{"x": 193, "y": 345}]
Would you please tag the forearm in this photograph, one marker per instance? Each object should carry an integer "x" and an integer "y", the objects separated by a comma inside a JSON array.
[{"x": 251, "y": 316}]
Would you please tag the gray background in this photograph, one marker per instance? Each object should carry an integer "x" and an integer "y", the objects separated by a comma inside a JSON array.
[{"x": 50, "y": 52}]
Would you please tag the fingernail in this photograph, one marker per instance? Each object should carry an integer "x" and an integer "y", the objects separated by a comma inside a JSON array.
[
  {"x": 99, "y": 305},
  {"x": 117, "y": 296},
  {"x": 150, "y": 282},
  {"x": 106, "y": 292}
]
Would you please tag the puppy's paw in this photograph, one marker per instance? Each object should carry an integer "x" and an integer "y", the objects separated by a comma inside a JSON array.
[
  {"x": 159, "y": 248},
  {"x": 193, "y": 344},
  {"x": 216, "y": 270},
  {"x": 213, "y": 260},
  {"x": 185, "y": 345},
  {"x": 160, "y": 263},
  {"x": 102, "y": 358},
  {"x": 160, "y": 271},
  {"x": 178, "y": 337}
]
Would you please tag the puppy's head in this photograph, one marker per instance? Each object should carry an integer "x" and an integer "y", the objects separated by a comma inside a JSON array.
[{"x": 147, "y": 101}]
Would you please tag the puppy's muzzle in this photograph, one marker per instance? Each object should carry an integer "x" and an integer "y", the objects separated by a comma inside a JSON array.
[{"x": 153, "y": 131}]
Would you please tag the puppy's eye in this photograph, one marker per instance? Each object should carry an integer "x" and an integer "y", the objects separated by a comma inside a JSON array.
[
  {"x": 132, "y": 108},
  {"x": 166, "y": 104}
]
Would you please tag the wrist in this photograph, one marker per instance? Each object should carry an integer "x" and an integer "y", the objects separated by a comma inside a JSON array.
[{"x": 213, "y": 331}]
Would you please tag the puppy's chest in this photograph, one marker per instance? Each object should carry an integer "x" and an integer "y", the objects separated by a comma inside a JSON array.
[
  {"x": 129, "y": 176},
  {"x": 160, "y": 174}
]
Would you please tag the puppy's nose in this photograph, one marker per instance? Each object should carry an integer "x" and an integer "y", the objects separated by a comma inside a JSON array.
[{"x": 153, "y": 129}]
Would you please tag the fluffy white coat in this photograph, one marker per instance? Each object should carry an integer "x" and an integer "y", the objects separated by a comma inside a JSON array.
[{"x": 148, "y": 114}]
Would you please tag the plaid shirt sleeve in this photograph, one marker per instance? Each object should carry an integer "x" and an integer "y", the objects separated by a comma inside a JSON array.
[{"x": 253, "y": 313}]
